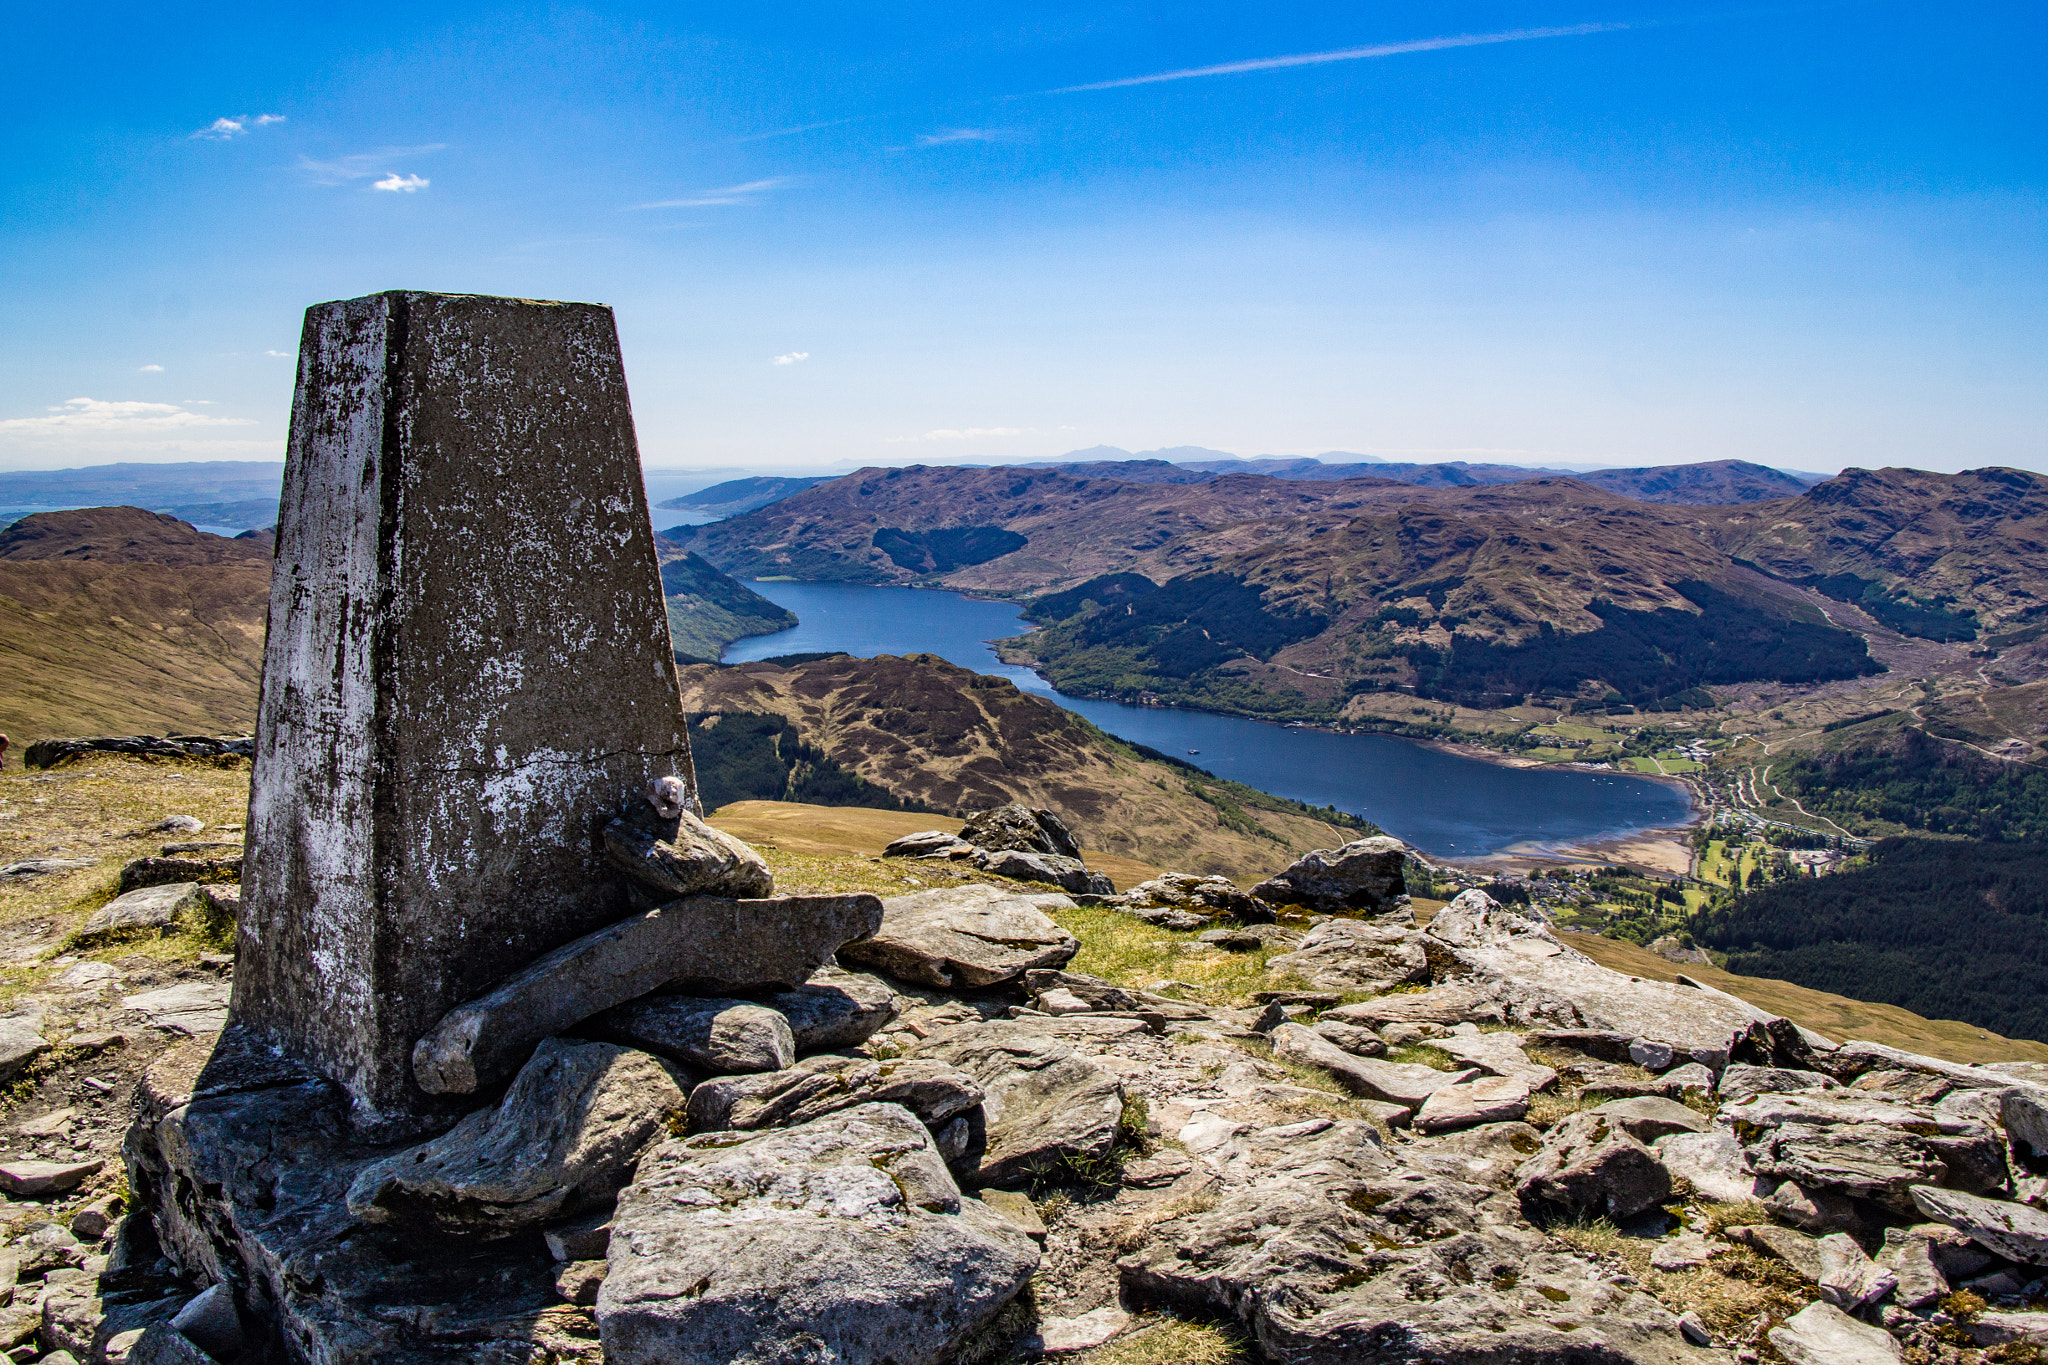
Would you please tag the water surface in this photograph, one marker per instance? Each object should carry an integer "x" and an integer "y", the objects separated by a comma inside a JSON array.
[{"x": 1443, "y": 803}]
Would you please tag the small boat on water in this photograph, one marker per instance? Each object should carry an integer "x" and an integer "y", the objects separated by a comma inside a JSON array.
[{"x": 1194, "y": 751}]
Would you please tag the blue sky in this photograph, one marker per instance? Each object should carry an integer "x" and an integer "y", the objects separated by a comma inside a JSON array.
[{"x": 1806, "y": 234}]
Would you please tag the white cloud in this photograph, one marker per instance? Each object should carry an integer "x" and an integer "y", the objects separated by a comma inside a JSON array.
[
  {"x": 732, "y": 194},
  {"x": 362, "y": 165},
  {"x": 102, "y": 416},
  {"x": 281, "y": 355},
  {"x": 945, "y": 135},
  {"x": 152, "y": 369},
  {"x": 402, "y": 184},
  {"x": 227, "y": 129},
  {"x": 961, "y": 434},
  {"x": 792, "y": 358},
  {"x": 1348, "y": 54}
]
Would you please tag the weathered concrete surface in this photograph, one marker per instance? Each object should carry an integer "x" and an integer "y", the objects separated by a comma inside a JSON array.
[
  {"x": 704, "y": 941},
  {"x": 468, "y": 670}
]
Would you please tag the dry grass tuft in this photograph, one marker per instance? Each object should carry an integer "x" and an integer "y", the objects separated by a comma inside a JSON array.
[
  {"x": 1174, "y": 1342},
  {"x": 1732, "y": 1293},
  {"x": 1716, "y": 1217},
  {"x": 1132, "y": 1232},
  {"x": 1552, "y": 1107}
]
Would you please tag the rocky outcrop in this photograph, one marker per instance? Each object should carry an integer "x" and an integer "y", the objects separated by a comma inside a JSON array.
[
  {"x": 935, "y": 1092},
  {"x": 722, "y": 1037},
  {"x": 1014, "y": 841},
  {"x": 679, "y": 855},
  {"x": 1347, "y": 955},
  {"x": 1363, "y": 876},
  {"x": 1045, "y": 1102},
  {"x": 1176, "y": 900},
  {"x": 962, "y": 936},
  {"x": 842, "y": 1239},
  {"x": 1021, "y": 828},
  {"x": 834, "y": 1009}
]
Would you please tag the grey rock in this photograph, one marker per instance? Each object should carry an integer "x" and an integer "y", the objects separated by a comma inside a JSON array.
[
  {"x": 21, "y": 1042},
  {"x": 1739, "y": 1082},
  {"x": 1474, "y": 919},
  {"x": 965, "y": 936},
  {"x": 468, "y": 668},
  {"x": 1694, "y": 1331},
  {"x": 1069, "y": 874},
  {"x": 1044, "y": 1102},
  {"x": 1650, "y": 1054},
  {"x": 192, "y": 1008},
  {"x": 1465, "y": 1000},
  {"x": 1795, "y": 1249},
  {"x": 1500, "y": 1054},
  {"x": 1688, "y": 1251},
  {"x": 702, "y": 941},
  {"x": 1691, "y": 1076},
  {"x": 1814, "y": 1210},
  {"x": 2018, "y": 1232},
  {"x": 159, "y": 1344},
  {"x": 1065, "y": 1336},
  {"x": 1023, "y": 829},
  {"x": 1355, "y": 1039},
  {"x": 1365, "y": 874},
  {"x": 930, "y": 843},
  {"x": 212, "y": 1322},
  {"x": 579, "y": 1281},
  {"x": 1232, "y": 940},
  {"x": 1650, "y": 1117},
  {"x": 34, "y": 1179},
  {"x": 1874, "y": 1149},
  {"x": 1201, "y": 895},
  {"x": 723, "y": 1037},
  {"x": 842, "y": 1240},
  {"x": 1999, "y": 1329},
  {"x": 1486, "y": 1155},
  {"x": 817, "y": 1086},
  {"x": 1909, "y": 1255},
  {"x": 1018, "y": 1210},
  {"x": 1344, "y": 955},
  {"x": 2025, "y": 1115},
  {"x": 148, "y": 872},
  {"x": 586, "y": 1237},
  {"x": 1407, "y": 1084},
  {"x": 565, "y": 1135},
  {"x": 1848, "y": 1278},
  {"x": 1101, "y": 995},
  {"x": 152, "y": 907},
  {"x": 1822, "y": 1334},
  {"x": 42, "y": 867},
  {"x": 1483, "y": 1099},
  {"x": 683, "y": 856},
  {"x": 1590, "y": 1166},
  {"x": 835, "y": 1009}
]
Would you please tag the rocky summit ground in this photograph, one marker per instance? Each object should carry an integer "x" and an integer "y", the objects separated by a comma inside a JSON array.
[{"x": 1172, "y": 1125}]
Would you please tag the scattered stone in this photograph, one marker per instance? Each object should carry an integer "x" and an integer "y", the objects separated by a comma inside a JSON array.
[
  {"x": 1156, "y": 1171},
  {"x": 579, "y": 1281},
  {"x": 2001, "y": 1329},
  {"x": 817, "y": 1086},
  {"x": 1201, "y": 896},
  {"x": 1407, "y": 1084},
  {"x": 1650, "y": 1054},
  {"x": 1346, "y": 955},
  {"x": 1365, "y": 874},
  {"x": 1712, "y": 1163},
  {"x": 1043, "y": 1102},
  {"x": 88, "y": 974},
  {"x": 174, "y": 824},
  {"x": 1691, "y": 1076},
  {"x": 91, "y": 1222},
  {"x": 148, "y": 872},
  {"x": 1848, "y": 1278},
  {"x": 1069, "y": 874},
  {"x": 683, "y": 856},
  {"x": 565, "y": 1134},
  {"x": 1457, "y": 1001},
  {"x": 1909, "y": 1255},
  {"x": 211, "y": 1322},
  {"x": 1022, "y": 828},
  {"x": 1484, "y": 1099},
  {"x": 1060, "y": 1002},
  {"x": 1499, "y": 1054},
  {"x": 1815, "y": 1210},
  {"x": 1018, "y": 1210},
  {"x": 1232, "y": 940},
  {"x": 42, "y": 867},
  {"x": 1822, "y": 1334},
  {"x": 193, "y": 1008},
  {"x": 2017, "y": 1232},
  {"x": 1355, "y": 1039},
  {"x": 929, "y": 843},
  {"x": 34, "y": 1179},
  {"x": 95, "y": 1042},
  {"x": 158, "y": 1344},
  {"x": 1739, "y": 1082},
  {"x": 586, "y": 1237},
  {"x": 1693, "y": 1330},
  {"x": 1588, "y": 1165},
  {"x": 844, "y": 1239},
  {"x": 724, "y": 1037},
  {"x": 21, "y": 1042},
  {"x": 701, "y": 940},
  {"x": 1686, "y": 1252},
  {"x": 1401, "y": 1035},
  {"x": 1873, "y": 1149},
  {"x": 151, "y": 908},
  {"x": 1064, "y": 1336},
  {"x": 1795, "y": 1249},
  {"x": 834, "y": 1009},
  {"x": 963, "y": 936},
  {"x": 1649, "y": 1117}
]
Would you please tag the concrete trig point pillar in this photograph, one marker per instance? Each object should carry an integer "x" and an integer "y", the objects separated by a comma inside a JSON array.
[{"x": 468, "y": 669}]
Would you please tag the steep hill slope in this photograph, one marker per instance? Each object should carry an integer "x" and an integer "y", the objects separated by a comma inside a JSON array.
[
  {"x": 114, "y": 620},
  {"x": 1714, "y": 483},
  {"x": 1941, "y": 555},
  {"x": 927, "y": 731},
  {"x": 708, "y": 610}
]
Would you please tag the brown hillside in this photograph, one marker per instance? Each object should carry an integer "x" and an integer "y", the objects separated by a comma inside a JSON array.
[
  {"x": 1979, "y": 538},
  {"x": 924, "y": 729},
  {"x": 114, "y": 620}
]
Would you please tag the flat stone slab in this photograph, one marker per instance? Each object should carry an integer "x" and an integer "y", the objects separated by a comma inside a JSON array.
[
  {"x": 1484, "y": 1099},
  {"x": 682, "y": 856},
  {"x": 835, "y": 1009},
  {"x": 2018, "y": 1232},
  {"x": 723, "y": 1037},
  {"x": 565, "y": 1135},
  {"x": 817, "y": 1086},
  {"x": 1044, "y": 1102},
  {"x": 152, "y": 907},
  {"x": 962, "y": 936},
  {"x": 1712, "y": 1163},
  {"x": 21, "y": 1042},
  {"x": 842, "y": 1240},
  {"x": 1822, "y": 1334},
  {"x": 1407, "y": 1084},
  {"x": 193, "y": 1008},
  {"x": 1344, "y": 955},
  {"x": 727, "y": 944},
  {"x": 34, "y": 1179},
  {"x": 1499, "y": 1054}
]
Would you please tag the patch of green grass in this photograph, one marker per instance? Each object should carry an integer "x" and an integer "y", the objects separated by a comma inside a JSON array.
[
  {"x": 1174, "y": 1341},
  {"x": 1127, "y": 951},
  {"x": 1426, "y": 1055}
]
